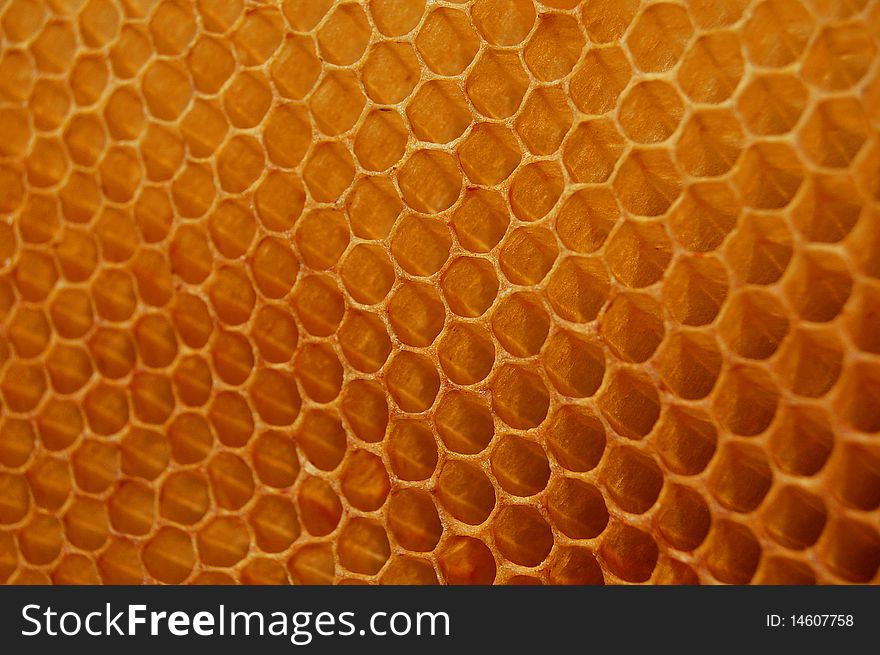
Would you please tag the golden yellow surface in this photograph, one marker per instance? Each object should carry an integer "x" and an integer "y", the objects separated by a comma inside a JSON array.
[{"x": 404, "y": 292}]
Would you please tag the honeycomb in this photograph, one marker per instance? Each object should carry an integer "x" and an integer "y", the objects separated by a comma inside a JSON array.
[{"x": 408, "y": 292}]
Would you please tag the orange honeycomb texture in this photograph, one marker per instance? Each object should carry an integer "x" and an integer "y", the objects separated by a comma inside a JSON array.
[{"x": 400, "y": 291}]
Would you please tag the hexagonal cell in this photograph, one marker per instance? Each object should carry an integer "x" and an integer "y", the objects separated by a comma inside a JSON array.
[
  {"x": 519, "y": 397},
  {"x": 329, "y": 171},
  {"x": 592, "y": 150},
  {"x": 754, "y": 323},
  {"x": 480, "y": 220},
  {"x": 712, "y": 68},
  {"x": 554, "y": 47},
  {"x": 413, "y": 520},
  {"x": 337, "y": 103},
  {"x": 402, "y": 570},
  {"x": 364, "y": 341},
  {"x": 258, "y": 35},
  {"x": 577, "y": 509},
  {"x": 790, "y": 23},
  {"x": 184, "y": 497},
  {"x": 689, "y": 363},
  {"x": 503, "y": 22},
  {"x": 421, "y": 245},
  {"x": 544, "y": 121},
  {"x": 321, "y": 437},
  {"x": 520, "y": 466},
  {"x": 231, "y": 416},
  {"x": 746, "y": 400},
  {"x": 856, "y": 476},
  {"x": 600, "y": 79},
  {"x": 489, "y": 154},
  {"x": 365, "y": 481},
  {"x": 319, "y": 372},
  {"x": 761, "y": 249},
  {"x": 296, "y": 68},
  {"x": 319, "y": 506},
  {"x": 343, "y": 37},
  {"x": 275, "y": 460},
  {"x": 851, "y": 549},
  {"x": 647, "y": 182},
  {"x": 772, "y": 103},
  {"x": 396, "y": 17},
  {"x": 527, "y": 255},
  {"x": 707, "y": 213},
  {"x": 685, "y": 440},
  {"x": 372, "y": 205},
  {"x": 659, "y": 37},
  {"x": 466, "y": 353},
  {"x": 651, "y": 111},
  {"x": 464, "y": 422},
  {"x": 365, "y": 407},
  {"x": 438, "y": 113},
  {"x": 470, "y": 286},
  {"x": 839, "y": 57},
  {"x": 521, "y": 535},
  {"x": 835, "y": 132},
  {"x": 247, "y": 98},
  {"x": 829, "y": 208},
  {"x": 639, "y": 252},
  {"x": 465, "y": 492},
  {"x": 586, "y": 218},
  {"x": 430, "y": 181},
  {"x": 312, "y": 564},
  {"x": 710, "y": 143},
  {"x": 857, "y": 396},
  {"x": 801, "y": 440},
  {"x": 413, "y": 381},
  {"x": 630, "y": 403},
  {"x": 628, "y": 553},
  {"x": 521, "y": 324},
  {"x": 466, "y": 561},
  {"x": 732, "y": 552},
  {"x": 367, "y": 273},
  {"x": 783, "y": 571},
  {"x": 810, "y": 362},
  {"x": 814, "y": 300},
  {"x": 740, "y": 477},
  {"x": 574, "y": 364},
  {"x": 190, "y": 438},
  {"x": 447, "y": 41},
  {"x": 684, "y": 517},
  {"x": 578, "y": 288},
  {"x": 363, "y": 546},
  {"x": 390, "y": 72},
  {"x": 632, "y": 478},
  {"x": 287, "y": 135},
  {"x": 322, "y": 236},
  {"x": 632, "y": 326},
  {"x": 769, "y": 175},
  {"x": 695, "y": 289},
  {"x": 497, "y": 83},
  {"x": 412, "y": 450},
  {"x": 794, "y": 517}
]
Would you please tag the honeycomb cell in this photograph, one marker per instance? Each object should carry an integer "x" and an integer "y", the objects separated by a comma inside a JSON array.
[
  {"x": 684, "y": 519},
  {"x": 519, "y": 397},
  {"x": 659, "y": 37},
  {"x": 446, "y": 41},
  {"x": 554, "y": 47},
  {"x": 465, "y": 492},
  {"x": 467, "y": 561},
  {"x": 651, "y": 111},
  {"x": 420, "y": 245},
  {"x": 464, "y": 422},
  {"x": 363, "y": 546},
  {"x": 231, "y": 418},
  {"x": 413, "y": 520},
  {"x": 296, "y": 68},
  {"x": 367, "y": 273},
  {"x": 497, "y": 83},
  {"x": 597, "y": 83},
  {"x": 319, "y": 506},
  {"x": 321, "y": 437},
  {"x": 577, "y": 508},
  {"x": 366, "y": 409},
  {"x": 522, "y": 536},
  {"x": 337, "y": 102}
]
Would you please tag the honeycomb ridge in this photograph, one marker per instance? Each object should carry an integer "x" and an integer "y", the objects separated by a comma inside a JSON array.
[{"x": 408, "y": 291}]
